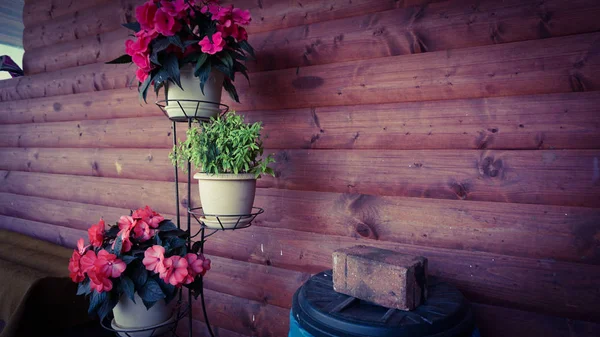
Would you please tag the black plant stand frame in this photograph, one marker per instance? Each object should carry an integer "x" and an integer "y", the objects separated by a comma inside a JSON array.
[{"x": 196, "y": 212}]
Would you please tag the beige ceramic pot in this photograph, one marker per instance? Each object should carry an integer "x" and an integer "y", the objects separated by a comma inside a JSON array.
[
  {"x": 226, "y": 194},
  {"x": 129, "y": 315},
  {"x": 191, "y": 90}
]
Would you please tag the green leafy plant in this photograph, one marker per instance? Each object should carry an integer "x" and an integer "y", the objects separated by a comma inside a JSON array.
[{"x": 225, "y": 145}]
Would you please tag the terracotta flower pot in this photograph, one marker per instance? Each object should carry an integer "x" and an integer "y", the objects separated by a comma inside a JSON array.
[
  {"x": 226, "y": 194},
  {"x": 191, "y": 90},
  {"x": 129, "y": 315}
]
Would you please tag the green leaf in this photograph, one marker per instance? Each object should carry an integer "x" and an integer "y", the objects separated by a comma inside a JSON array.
[
  {"x": 203, "y": 73},
  {"x": 171, "y": 65},
  {"x": 128, "y": 287},
  {"x": 121, "y": 59},
  {"x": 151, "y": 291},
  {"x": 135, "y": 26},
  {"x": 118, "y": 246},
  {"x": 196, "y": 247},
  {"x": 226, "y": 59},
  {"x": 167, "y": 226},
  {"x": 96, "y": 301},
  {"x": 139, "y": 275},
  {"x": 169, "y": 290},
  {"x": 128, "y": 259},
  {"x": 248, "y": 48},
  {"x": 174, "y": 242},
  {"x": 201, "y": 59},
  {"x": 83, "y": 288},
  {"x": 190, "y": 42},
  {"x": 175, "y": 40},
  {"x": 107, "y": 305},
  {"x": 231, "y": 90},
  {"x": 143, "y": 88}
]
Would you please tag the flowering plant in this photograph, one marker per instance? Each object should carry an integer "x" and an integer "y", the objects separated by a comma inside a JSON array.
[
  {"x": 142, "y": 253},
  {"x": 172, "y": 33}
]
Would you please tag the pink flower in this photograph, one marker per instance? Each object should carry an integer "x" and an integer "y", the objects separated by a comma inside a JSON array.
[
  {"x": 176, "y": 8},
  {"x": 145, "y": 15},
  {"x": 108, "y": 265},
  {"x": 165, "y": 23},
  {"x": 96, "y": 233},
  {"x": 175, "y": 270},
  {"x": 126, "y": 222},
  {"x": 87, "y": 261},
  {"x": 212, "y": 8},
  {"x": 149, "y": 216},
  {"x": 80, "y": 248},
  {"x": 154, "y": 258},
  {"x": 214, "y": 47},
  {"x": 125, "y": 235},
  {"x": 142, "y": 231},
  {"x": 141, "y": 74},
  {"x": 76, "y": 273},
  {"x": 197, "y": 265},
  {"x": 99, "y": 282},
  {"x": 142, "y": 61},
  {"x": 240, "y": 16}
]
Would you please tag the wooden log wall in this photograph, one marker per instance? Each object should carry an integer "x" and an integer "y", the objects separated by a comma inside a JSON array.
[{"x": 467, "y": 131}]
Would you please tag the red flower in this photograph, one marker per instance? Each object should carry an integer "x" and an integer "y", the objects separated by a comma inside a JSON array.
[
  {"x": 142, "y": 231},
  {"x": 76, "y": 273},
  {"x": 99, "y": 282},
  {"x": 175, "y": 270},
  {"x": 154, "y": 258},
  {"x": 141, "y": 74},
  {"x": 240, "y": 16},
  {"x": 96, "y": 233},
  {"x": 108, "y": 265},
  {"x": 125, "y": 235},
  {"x": 197, "y": 265},
  {"x": 126, "y": 222},
  {"x": 149, "y": 216},
  {"x": 142, "y": 61},
  {"x": 165, "y": 23},
  {"x": 145, "y": 15},
  {"x": 87, "y": 261},
  {"x": 213, "y": 47}
]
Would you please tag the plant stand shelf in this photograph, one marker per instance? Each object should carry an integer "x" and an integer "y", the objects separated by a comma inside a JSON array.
[{"x": 243, "y": 220}]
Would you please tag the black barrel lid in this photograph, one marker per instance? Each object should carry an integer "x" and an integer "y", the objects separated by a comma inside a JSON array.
[{"x": 323, "y": 312}]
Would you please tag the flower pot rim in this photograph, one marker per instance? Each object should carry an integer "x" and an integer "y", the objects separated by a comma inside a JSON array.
[{"x": 224, "y": 176}]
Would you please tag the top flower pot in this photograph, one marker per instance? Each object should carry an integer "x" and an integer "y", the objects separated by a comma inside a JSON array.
[{"x": 182, "y": 104}]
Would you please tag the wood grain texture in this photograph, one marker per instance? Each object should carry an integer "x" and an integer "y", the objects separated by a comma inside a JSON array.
[
  {"x": 431, "y": 27},
  {"x": 536, "y": 231},
  {"x": 37, "y": 12},
  {"x": 565, "y": 177},
  {"x": 63, "y": 236},
  {"x": 74, "y": 25},
  {"x": 104, "y": 104},
  {"x": 406, "y": 30},
  {"x": 556, "y": 121},
  {"x": 562, "y": 64},
  {"x": 544, "y": 285},
  {"x": 98, "y": 37},
  {"x": 498, "y": 321},
  {"x": 85, "y": 50}
]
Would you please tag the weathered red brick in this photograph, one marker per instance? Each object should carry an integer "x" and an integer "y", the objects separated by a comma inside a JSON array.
[{"x": 384, "y": 277}]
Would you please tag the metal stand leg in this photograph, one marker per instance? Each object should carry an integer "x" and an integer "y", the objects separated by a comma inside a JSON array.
[{"x": 202, "y": 288}]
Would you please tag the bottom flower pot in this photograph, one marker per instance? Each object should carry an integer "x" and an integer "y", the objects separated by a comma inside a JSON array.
[
  {"x": 135, "y": 316},
  {"x": 226, "y": 194}
]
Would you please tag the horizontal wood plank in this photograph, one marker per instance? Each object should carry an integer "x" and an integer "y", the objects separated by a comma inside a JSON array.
[
  {"x": 562, "y": 64},
  {"x": 36, "y": 12},
  {"x": 553, "y": 177},
  {"x": 63, "y": 236},
  {"x": 548, "y": 286},
  {"x": 556, "y": 121},
  {"x": 103, "y": 17},
  {"x": 427, "y": 28},
  {"x": 536, "y": 231}
]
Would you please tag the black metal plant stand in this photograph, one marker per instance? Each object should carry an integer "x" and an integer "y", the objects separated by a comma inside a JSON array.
[{"x": 243, "y": 220}]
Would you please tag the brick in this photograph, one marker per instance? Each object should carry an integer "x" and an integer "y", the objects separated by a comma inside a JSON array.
[{"x": 384, "y": 277}]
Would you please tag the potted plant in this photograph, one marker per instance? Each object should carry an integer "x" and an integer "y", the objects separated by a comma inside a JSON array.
[
  {"x": 228, "y": 153},
  {"x": 191, "y": 48},
  {"x": 135, "y": 269}
]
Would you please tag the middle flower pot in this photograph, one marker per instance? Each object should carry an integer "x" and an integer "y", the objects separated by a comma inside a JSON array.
[
  {"x": 132, "y": 316},
  {"x": 228, "y": 196},
  {"x": 191, "y": 91}
]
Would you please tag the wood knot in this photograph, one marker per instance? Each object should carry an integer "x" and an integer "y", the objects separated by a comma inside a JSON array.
[
  {"x": 490, "y": 167},
  {"x": 366, "y": 231},
  {"x": 459, "y": 189}
]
